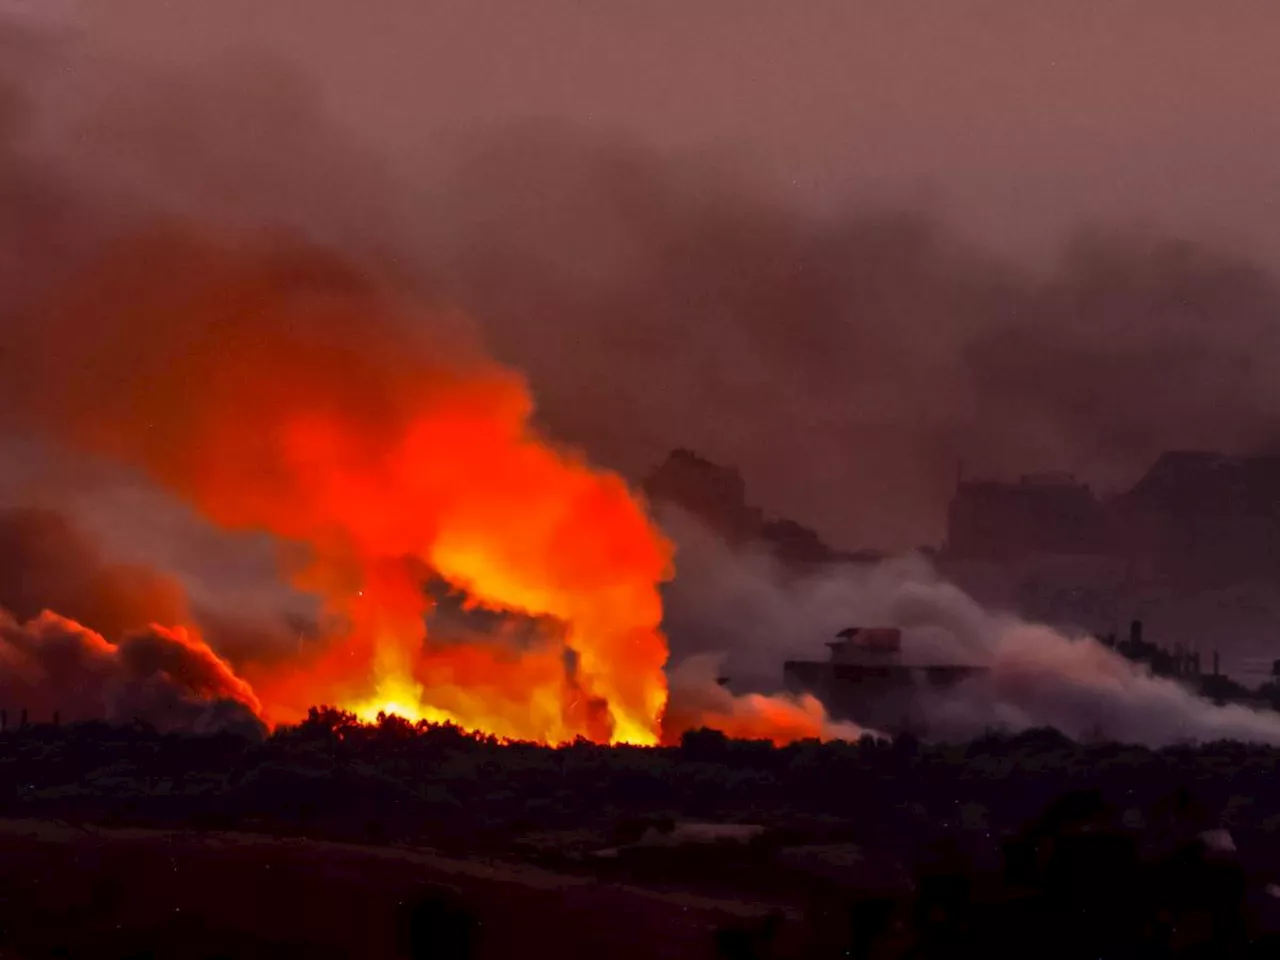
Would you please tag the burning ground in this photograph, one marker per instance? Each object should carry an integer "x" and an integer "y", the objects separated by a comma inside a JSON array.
[
  {"x": 278, "y": 390},
  {"x": 256, "y": 339}
]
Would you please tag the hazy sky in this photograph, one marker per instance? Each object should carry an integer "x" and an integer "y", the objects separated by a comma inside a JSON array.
[
  {"x": 877, "y": 292},
  {"x": 1018, "y": 116}
]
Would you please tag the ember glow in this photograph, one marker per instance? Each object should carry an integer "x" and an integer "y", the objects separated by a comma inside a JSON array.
[{"x": 288, "y": 394}]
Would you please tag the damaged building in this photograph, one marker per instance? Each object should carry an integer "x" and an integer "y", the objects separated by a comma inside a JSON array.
[
  {"x": 866, "y": 679},
  {"x": 1194, "y": 517},
  {"x": 1193, "y": 547}
]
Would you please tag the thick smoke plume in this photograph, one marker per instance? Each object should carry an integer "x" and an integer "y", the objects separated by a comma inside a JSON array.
[
  {"x": 698, "y": 699},
  {"x": 277, "y": 371},
  {"x": 64, "y": 664},
  {"x": 656, "y": 302},
  {"x": 754, "y": 614},
  {"x": 205, "y": 281},
  {"x": 48, "y": 563},
  {"x": 170, "y": 679},
  {"x": 851, "y": 360},
  {"x": 276, "y": 389}
]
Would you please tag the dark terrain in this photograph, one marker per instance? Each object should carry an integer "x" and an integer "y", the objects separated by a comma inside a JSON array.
[{"x": 337, "y": 839}]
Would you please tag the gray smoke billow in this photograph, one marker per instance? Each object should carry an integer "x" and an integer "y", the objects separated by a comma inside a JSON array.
[
  {"x": 87, "y": 639},
  {"x": 658, "y": 301},
  {"x": 53, "y": 666},
  {"x": 843, "y": 361},
  {"x": 743, "y": 606},
  {"x": 852, "y": 360}
]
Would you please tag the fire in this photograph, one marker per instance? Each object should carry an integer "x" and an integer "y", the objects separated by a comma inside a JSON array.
[
  {"x": 470, "y": 493},
  {"x": 395, "y": 692},
  {"x": 699, "y": 701},
  {"x": 399, "y": 697},
  {"x": 289, "y": 395}
]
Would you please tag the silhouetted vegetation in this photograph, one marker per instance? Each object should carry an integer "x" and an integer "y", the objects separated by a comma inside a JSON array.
[
  {"x": 333, "y": 776},
  {"x": 882, "y": 848}
]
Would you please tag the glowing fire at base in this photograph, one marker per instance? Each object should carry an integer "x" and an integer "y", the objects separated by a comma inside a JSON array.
[
  {"x": 397, "y": 696},
  {"x": 381, "y": 458}
]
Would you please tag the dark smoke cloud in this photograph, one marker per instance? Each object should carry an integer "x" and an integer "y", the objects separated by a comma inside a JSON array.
[
  {"x": 162, "y": 677},
  {"x": 46, "y": 563},
  {"x": 49, "y": 562},
  {"x": 848, "y": 362},
  {"x": 743, "y": 612}
]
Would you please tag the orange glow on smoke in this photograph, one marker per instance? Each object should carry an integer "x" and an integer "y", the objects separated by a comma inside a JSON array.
[
  {"x": 697, "y": 700},
  {"x": 467, "y": 491},
  {"x": 287, "y": 394},
  {"x": 780, "y": 719}
]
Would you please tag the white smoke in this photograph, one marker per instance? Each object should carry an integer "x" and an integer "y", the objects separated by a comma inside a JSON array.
[{"x": 744, "y": 605}]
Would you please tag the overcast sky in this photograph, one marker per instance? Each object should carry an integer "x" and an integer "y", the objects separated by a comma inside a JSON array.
[
  {"x": 1019, "y": 116},
  {"x": 677, "y": 245}
]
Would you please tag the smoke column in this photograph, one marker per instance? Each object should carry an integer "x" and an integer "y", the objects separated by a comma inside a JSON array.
[
  {"x": 167, "y": 678},
  {"x": 744, "y": 607},
  {"x": 201, "y": 280},
  {"x": 188, "y": 304},
  {"x": 279, "y": 390}
]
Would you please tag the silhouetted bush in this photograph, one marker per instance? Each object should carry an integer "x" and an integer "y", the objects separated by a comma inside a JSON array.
[{"x": 1029, "y": 838}]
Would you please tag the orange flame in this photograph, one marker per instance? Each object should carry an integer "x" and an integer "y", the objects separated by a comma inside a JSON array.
[
  {"x": 698, "y": 700},
  {"x": 469, "y": 492},
  {"x": 287, "y": 394}
]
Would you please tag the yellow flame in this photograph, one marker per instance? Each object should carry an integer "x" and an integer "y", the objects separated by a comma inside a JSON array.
[{"x": 396, "y": 693}]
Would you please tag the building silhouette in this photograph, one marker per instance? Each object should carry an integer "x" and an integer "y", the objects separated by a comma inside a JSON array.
[
  {"x": 1195, "y": 519},
  {"x": 717, "y": 496}
]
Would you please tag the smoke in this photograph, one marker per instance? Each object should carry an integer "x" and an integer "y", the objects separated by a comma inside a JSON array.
[
  {"x": 744, "y": 612},
  {"x": 852, "y": 359},
  {"x": 699, "y": 700},
  {"x": 744, "y": 603},
  {"x": 276, "y": 388},
  {"x": 204, "y": 278},
  {"x": 201, "y": 325},
  {"x": 50, "y": 561},
  {"x": 46, "y": 563},
  {"x": 61, "y": 662},
  {"x": 167, "y": 678},
  {"x": 874, "y": 346}
]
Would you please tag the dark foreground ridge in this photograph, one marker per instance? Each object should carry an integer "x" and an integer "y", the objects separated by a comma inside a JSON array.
[{"x": 1005, "y": 845}]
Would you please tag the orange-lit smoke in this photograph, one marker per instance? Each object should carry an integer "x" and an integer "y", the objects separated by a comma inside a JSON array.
[
  {"x": 167, "y": 677},
  {"x": 698, "y": 700},
  {"x": 288, "y": 394}
]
